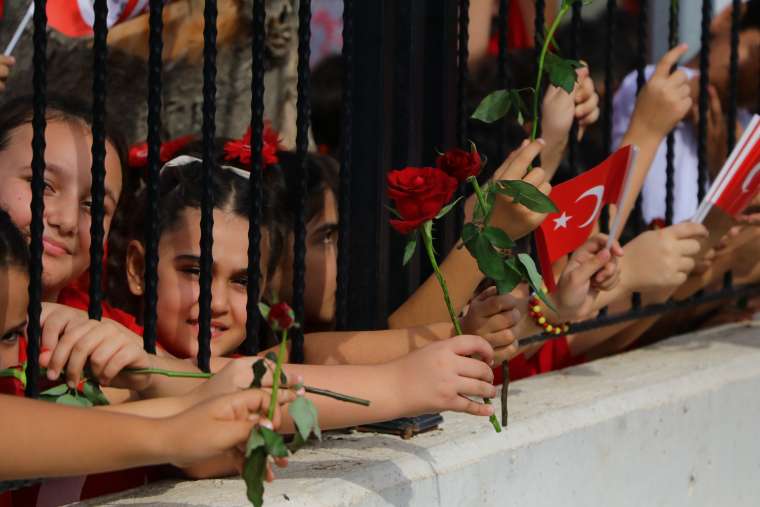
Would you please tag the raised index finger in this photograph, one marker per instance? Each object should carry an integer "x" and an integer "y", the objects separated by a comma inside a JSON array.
[{"x": 668, "y": 60}]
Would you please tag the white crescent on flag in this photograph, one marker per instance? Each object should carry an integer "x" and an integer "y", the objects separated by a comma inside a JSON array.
[
  {"x": 596, "y": 192},
  {"x": 749, "y": 178}
]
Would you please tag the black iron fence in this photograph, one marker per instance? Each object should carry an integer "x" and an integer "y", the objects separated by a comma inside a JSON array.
[{"x": 404, "y": 93}]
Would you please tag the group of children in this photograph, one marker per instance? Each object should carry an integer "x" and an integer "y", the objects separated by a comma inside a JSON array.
[{"x": 416, "y": 366}]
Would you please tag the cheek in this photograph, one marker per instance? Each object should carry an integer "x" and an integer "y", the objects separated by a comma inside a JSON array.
[
  {"x": 238, "y": 301},
  {"x": 8, "y": 355},
  {"x": 16, "y": 199}
]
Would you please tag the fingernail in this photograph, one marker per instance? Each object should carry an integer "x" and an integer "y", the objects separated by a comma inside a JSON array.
[
  {"x": 71, "y": 384},
  {"x": 52, "y": 374},
  {"x": 267, "y": 424},
  {"x": 541, "y": 141},
  {"x": 489, "y": 410},
  {"x": 301, "y": 392},
  {"x": 44, "y": 349}
]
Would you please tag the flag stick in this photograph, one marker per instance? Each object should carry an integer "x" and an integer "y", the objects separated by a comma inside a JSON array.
[{"x": 21, "y": 26}]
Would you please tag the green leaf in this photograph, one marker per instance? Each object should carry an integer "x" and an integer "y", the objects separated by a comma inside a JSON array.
[
  {"x": 255, "y": 441},
  {"x": 498, "y": 238},
  {"x": 271, "y": 356},
  {"x": 410, "y": 249},
  {"x": 561, "y": 71},
  {"x": 469, "y": 232},
  {"x": 512, "y": 279},
  {"x": 259, "y": 370},
  {"x": 444, "y": 211},
  {"x": 520, "y": 107},
  {"x": 253, "y": 475},
  {"x": 490, "y": 262},
  {"x": 73, "y": 401},
  {"x": 495, "y": 106},
  {"x": 264, "y": 310},
  {"x": 296, "y": 443},
  {"x": 528, "y": 267},
  {"x": 304, "y": 415},
  {"x": 56, "y": 391},
  {"x": 275, "y": 445},
  {"x": 92, "y": 392},
  {"x": 526, "y": 194}
]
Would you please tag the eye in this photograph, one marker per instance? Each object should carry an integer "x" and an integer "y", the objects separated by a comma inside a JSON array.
[
  {"x": 11, "y": 338},
  {"x": 241, "y": 281},
  {"x": 192, "y": 271}
]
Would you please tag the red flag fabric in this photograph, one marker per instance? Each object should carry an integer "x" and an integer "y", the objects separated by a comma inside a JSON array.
[
  {"x": 580, "y": 201},
  {"x": 743, "y": 181},
  {"x": 74, "y": 18}
]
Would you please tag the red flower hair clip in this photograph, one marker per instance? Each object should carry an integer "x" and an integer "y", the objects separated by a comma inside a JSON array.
[
  {"x": 138, "y": 153},
  {"x": 240, "y": 149}
]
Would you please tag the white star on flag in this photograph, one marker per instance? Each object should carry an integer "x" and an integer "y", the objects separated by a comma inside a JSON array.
[{"x": 562, "y": 221}]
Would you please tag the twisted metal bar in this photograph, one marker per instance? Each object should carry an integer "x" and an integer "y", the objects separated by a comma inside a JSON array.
[
  {"x": 538, "y": 42},
  {"x": 302, "y": 145},
  {"x": 503, "y": 76},
  {"x": 704, "y": 69},
  {"x": 346, "y": 137},
  {"x": 97, "y": 232},
  {"x": 733, "y": 73},
  {"x": 252, "y": 342},
  {"x": 575, "y": 35},
  {"x": 608, "y": 62},
  {"x": 39, "y": 84},
  {"x": 670, "y": 143},
  {"x": 641, "y": 46},
  {"x": 207, "y": 200},
  {"x": 463, "y": 55},
  {"x": 154, "y": 166}
]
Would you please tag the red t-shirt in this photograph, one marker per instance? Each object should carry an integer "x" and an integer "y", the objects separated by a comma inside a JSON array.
[
  {"x": 517, "y": 34},
  {"x": 77, "y": 296}
]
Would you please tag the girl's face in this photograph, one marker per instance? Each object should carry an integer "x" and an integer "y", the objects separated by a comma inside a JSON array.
[
  {"x": 178, "y": 285},
  {"x": 66, "y": 220},
  {"x": 13, "y": 305},
  {"x": 321, "y": 267}
]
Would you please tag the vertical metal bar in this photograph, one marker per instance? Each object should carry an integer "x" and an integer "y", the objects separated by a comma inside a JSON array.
[
  {"x": 154, "y": 166},
  {"x": 252, "y": 342},
  {"x": 370, "y": 161},
  {"x": 670, "y": 143},
  {"x": 344, "y": 203},
  {"x": 302, "y": 145},
  {"x": 97, "y": 232},
  {"x": 39, "y": 84},
  {"x": 463, "y": 55},
  {"x": 575, "y": 35},
  {"x": 207, "y": 197},
  {"x": 704, "y": 69},
  {"x": 608, "y": 65},
  {"x": 733, "y": 73},
  {"x": 538, "y": 38},
  {"x": 503, "y": 76}
]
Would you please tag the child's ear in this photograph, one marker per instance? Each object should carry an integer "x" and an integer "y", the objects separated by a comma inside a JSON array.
[{"x": 136, "y": 267}]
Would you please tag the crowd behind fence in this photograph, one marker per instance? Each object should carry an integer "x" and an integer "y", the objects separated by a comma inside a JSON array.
[{"x": 405, "y": 78}]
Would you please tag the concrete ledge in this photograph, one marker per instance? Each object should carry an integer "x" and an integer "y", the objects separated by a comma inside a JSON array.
[{"x": 672, "y": 424}]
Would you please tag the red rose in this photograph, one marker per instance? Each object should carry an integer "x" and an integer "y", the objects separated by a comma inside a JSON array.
[
  {"x": 281, "y": 317},
  {"x": 460, "y": 164},
  {"x": 419, "y": 194}
]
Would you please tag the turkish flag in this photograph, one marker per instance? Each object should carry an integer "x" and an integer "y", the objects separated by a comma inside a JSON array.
[
  {"x": 742, "y": 182},
  {"x": 580, "y": 201},
  {"x": 75, "y": 18}
]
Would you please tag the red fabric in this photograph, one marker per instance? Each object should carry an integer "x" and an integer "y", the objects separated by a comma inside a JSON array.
[
  {"x": 65, "y": 17},
  {"x": 6, "y": 499},
  {"x": 580, "y": 202},
  {"x": 517, "y": 33},
  {"x": 76, "y": 297},
  {"x": 553, "y": 355},
  {"x": 744, "y": 184}
]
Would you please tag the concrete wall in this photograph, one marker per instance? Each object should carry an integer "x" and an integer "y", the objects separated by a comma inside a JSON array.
[{"x": 674, "y": 424}]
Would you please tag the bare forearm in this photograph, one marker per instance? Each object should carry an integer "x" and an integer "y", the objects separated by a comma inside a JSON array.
[
  {"x": 43, "y": 437},
  {"x": 371, "y": 347},
  {"x": 161, "y": 386}
]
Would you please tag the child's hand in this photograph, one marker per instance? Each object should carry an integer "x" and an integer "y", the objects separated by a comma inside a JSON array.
[
  {"x": 560, "y": 108},
  {"x": 515, "y": 219},
  {"x": 665, "y": 99},
  {"x": 662, "y": 259},
  {"x": 442, "y": 376},
  {"x": 236, "y": 375},
  {"x": 717, "y": 130},
  {"x": 218, "y": 426},
  {"x": 591, "y": 268},
  {"x": 71, "y": 341},
  {"x": 493, "y": 316},
  {"x": 6, "y": 62}
]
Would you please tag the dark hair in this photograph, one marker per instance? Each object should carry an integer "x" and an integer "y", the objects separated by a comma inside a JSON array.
[
  {"x": 181, "y": 188},
  {"x": 751, "y": 18},
  {"x": 19, "y": 111},
  {"x": 321, "y": 174},
  {"x": 13, "y": 248},
  {"x": 326, "y": 100}
]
